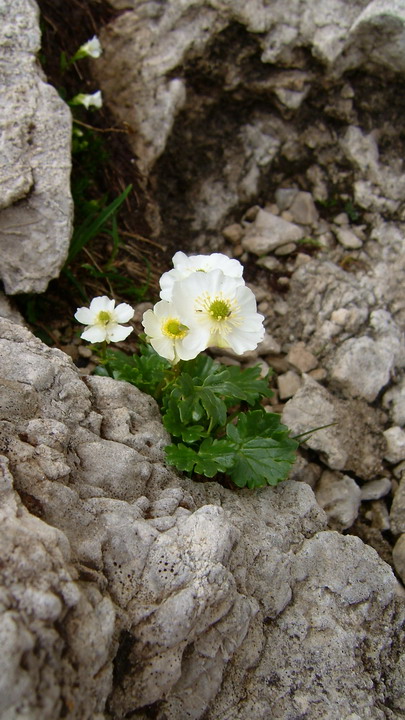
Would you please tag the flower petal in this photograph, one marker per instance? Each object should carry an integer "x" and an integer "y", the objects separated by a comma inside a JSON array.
[
  {"x": 84, "y": 315},
  {"x": 164, "y": 347},
  {"x": 123, "y": 312},
  {"x": 94, "y": 334},
  {"x": 116, "y": 333},
  {"x": 102, "y": 303}
]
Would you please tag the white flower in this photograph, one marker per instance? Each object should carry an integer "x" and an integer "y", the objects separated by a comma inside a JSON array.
[
  {"x": 184, "y": 265},
  {"x": 169, "y": 336},
  {"x": 91, "y": 48},
  {"x": 88, "y": 100},
  {"x": 102, "y": 319},
  {"x": 224, "y": 310}
]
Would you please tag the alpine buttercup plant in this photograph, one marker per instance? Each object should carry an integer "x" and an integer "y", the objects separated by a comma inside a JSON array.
[{"x": 214, "y": 413}]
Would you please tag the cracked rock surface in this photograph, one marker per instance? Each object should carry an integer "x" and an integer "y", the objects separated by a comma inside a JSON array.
[
  {"x": 126, "y": 586},
  {"x": 35, "y": 201}
]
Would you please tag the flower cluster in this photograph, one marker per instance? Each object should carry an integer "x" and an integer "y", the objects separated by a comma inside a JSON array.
[{"x": 205, "y": 303}]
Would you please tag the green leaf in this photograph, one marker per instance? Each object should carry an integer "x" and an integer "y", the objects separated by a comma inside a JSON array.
[
  {"x": 264, "y": 452},
  {"x": 212, "y": 457},
  {"x": 237, "y": 384},
  {"x": 148, "y": 371},
  {"x": 93, "y": 225}
]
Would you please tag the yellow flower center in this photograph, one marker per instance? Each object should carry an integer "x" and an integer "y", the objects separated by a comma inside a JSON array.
[
  {"x": 220, "y": 309},
  {"x": 173, "y": 328},
  {"x": 103, "y": 318}
]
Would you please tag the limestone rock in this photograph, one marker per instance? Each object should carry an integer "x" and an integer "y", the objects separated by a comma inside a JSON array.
[
  {"x": 36, "y": 206},
  {"x": 191, "y": 593},
  {"x": 398, "y": 556},
  {"x": 339, "y": 496},
  {"x": 397, "y": 514},
  {"x": 269, "y": 232},
  {"x": 395, "y": 438},
  {"x": 354, "y": 440},
  {"x": 375, "y": 489},
  {"x": 394, "y": 400}
]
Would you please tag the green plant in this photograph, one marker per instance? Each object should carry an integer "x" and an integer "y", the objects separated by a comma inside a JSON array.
[{"x": 214, "y": 415}]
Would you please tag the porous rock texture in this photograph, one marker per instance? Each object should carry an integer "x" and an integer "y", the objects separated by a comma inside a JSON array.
[
  {"x": 127, "y": 589},
  {"x": 35, "y": 201},
  {"x": 222, "y": 94}
]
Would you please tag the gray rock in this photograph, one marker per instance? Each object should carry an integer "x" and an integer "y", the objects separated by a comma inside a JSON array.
[
  {"x": 398, "y": 556},
  {"x": 284, "y": 197},
  {"x": 9, "y": 312},
  {"x": 269, "y": 232},
  {"x": 375, "y": 489},
  {"x": 394, "y": 400},
  {"x": 303, "y": 209},
  {"x": 362, "y": 367},
  {"x": 395, "y": 439},
  {"x": 348, "y": 239},
  {"x": 36, "y": 214},
  {"x": 193, "y": 594},
  {"x": 339, "y": 496},
  {"x": 397, "y": 513},
  {"x": 288, "y": 384},
  {"x": 301, "y": 358},
  {"x": 353, "y": 442}
]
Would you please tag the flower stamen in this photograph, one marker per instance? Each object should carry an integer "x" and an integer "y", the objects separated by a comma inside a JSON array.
[
  {"x": 174, "y": 329},
  {"x": 103, "y": 318}
]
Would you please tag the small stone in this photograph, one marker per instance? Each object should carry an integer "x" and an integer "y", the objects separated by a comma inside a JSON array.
[
  {"x": 233, "y": 233},
  {"x": 264, "y": 367},
  {"x": 301, "y": 358},
  {"x": 84, "y": 351},
  {"x": 398, "y": 557},
  {"x": 283, "y": 281},
  {"x": 301, "y": 259},
  {"x": 303, "y": 209},
  {"x": 269, "y": 232},
  {"x": 281, "y": 307},
  {"x": 399, "y": 470},
  {"x": 348, "y": 239},
  {"x": 339, "y": 496},
  {"x": 251, "y": 213},
  {"x": 288, "y": 384},
  {"x": 284, "y": 197},
  {"x": 303, "y": 471},
  {"x": 379, "y": 515},
  {"x": 394, "y": 400},
  {"x": 287, "y": 249},
  {"x": 375, "y": 489},
  {"x": 272, "y": 208},
  {"x": 397, "y": 513},
  {"x": 340, "y": 316},
  {"x": 278, "y": 363},
  {"x": 269, "y": 262},
  {"x": 268, "y": 345},
  {"x": 395, "y": 438},
  {"x": 341, "y": 219},
  {"x": 319, "y": 374}
]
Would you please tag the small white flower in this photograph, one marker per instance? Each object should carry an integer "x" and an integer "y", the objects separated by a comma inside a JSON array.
[
  {"x": 103, "y": 320},
  {"x": 88, "y": 100},
  {"x": 169, "y": 336},
  {"x": 184, "y": 265},
  {"x": 91, "y": 48},
  {"x": 223, "y": 309}
]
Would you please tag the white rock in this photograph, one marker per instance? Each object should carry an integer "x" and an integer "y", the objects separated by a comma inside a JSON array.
[
  {"x": 301, "y": 358},
  {"x": 339, "y": 496},
  {"x": 395, "y": 438},
  {"x": 348, "y": 239},
  {"x": 362, "y": 366},
  {"x": 375, "y": 489},
  {"x": 394, "y": 400},
  {"x": 303, "y": 209},
  {"x": 269, "y": 232}
]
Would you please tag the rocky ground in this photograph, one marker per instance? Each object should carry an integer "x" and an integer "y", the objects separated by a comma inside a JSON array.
[{"x": 128, "y": 589}]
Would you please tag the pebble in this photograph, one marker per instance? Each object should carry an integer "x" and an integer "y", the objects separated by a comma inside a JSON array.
[
  {"x": 339, "y": 496},
  {"x": 303, "y": 209},
  {"x": 278, "y": 363},
  {"x": 284, "y": 197},
  {"x": 301, "y": 259},
  {"x": 269, "y": 262},
  {"x": 268, "y": 345},
  {"x": 269, "y": 232},
  {"x": 341, "y": 219},
  {"x": 319, "y": 374},
  {"x": 378, "y": 515},
  {"x": 348, "y": 239},
  {"x": 301, "y": 358},
  {"x": 340, "y": 316},
  {"x": 85, "y": 352},
  {"x": 233, "y": 233},
  {"x": 397, "y": 513},
  {"x": 251, "y": 213},
  {"x": 398, "y": 557},
  {"x": 395, "y": 438},
  {"x": 394, "y": 400},
  {"x": 375, "y": 489},
  {"x": 287, "y": 249},
  {"x": 288, "y": 384}
]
